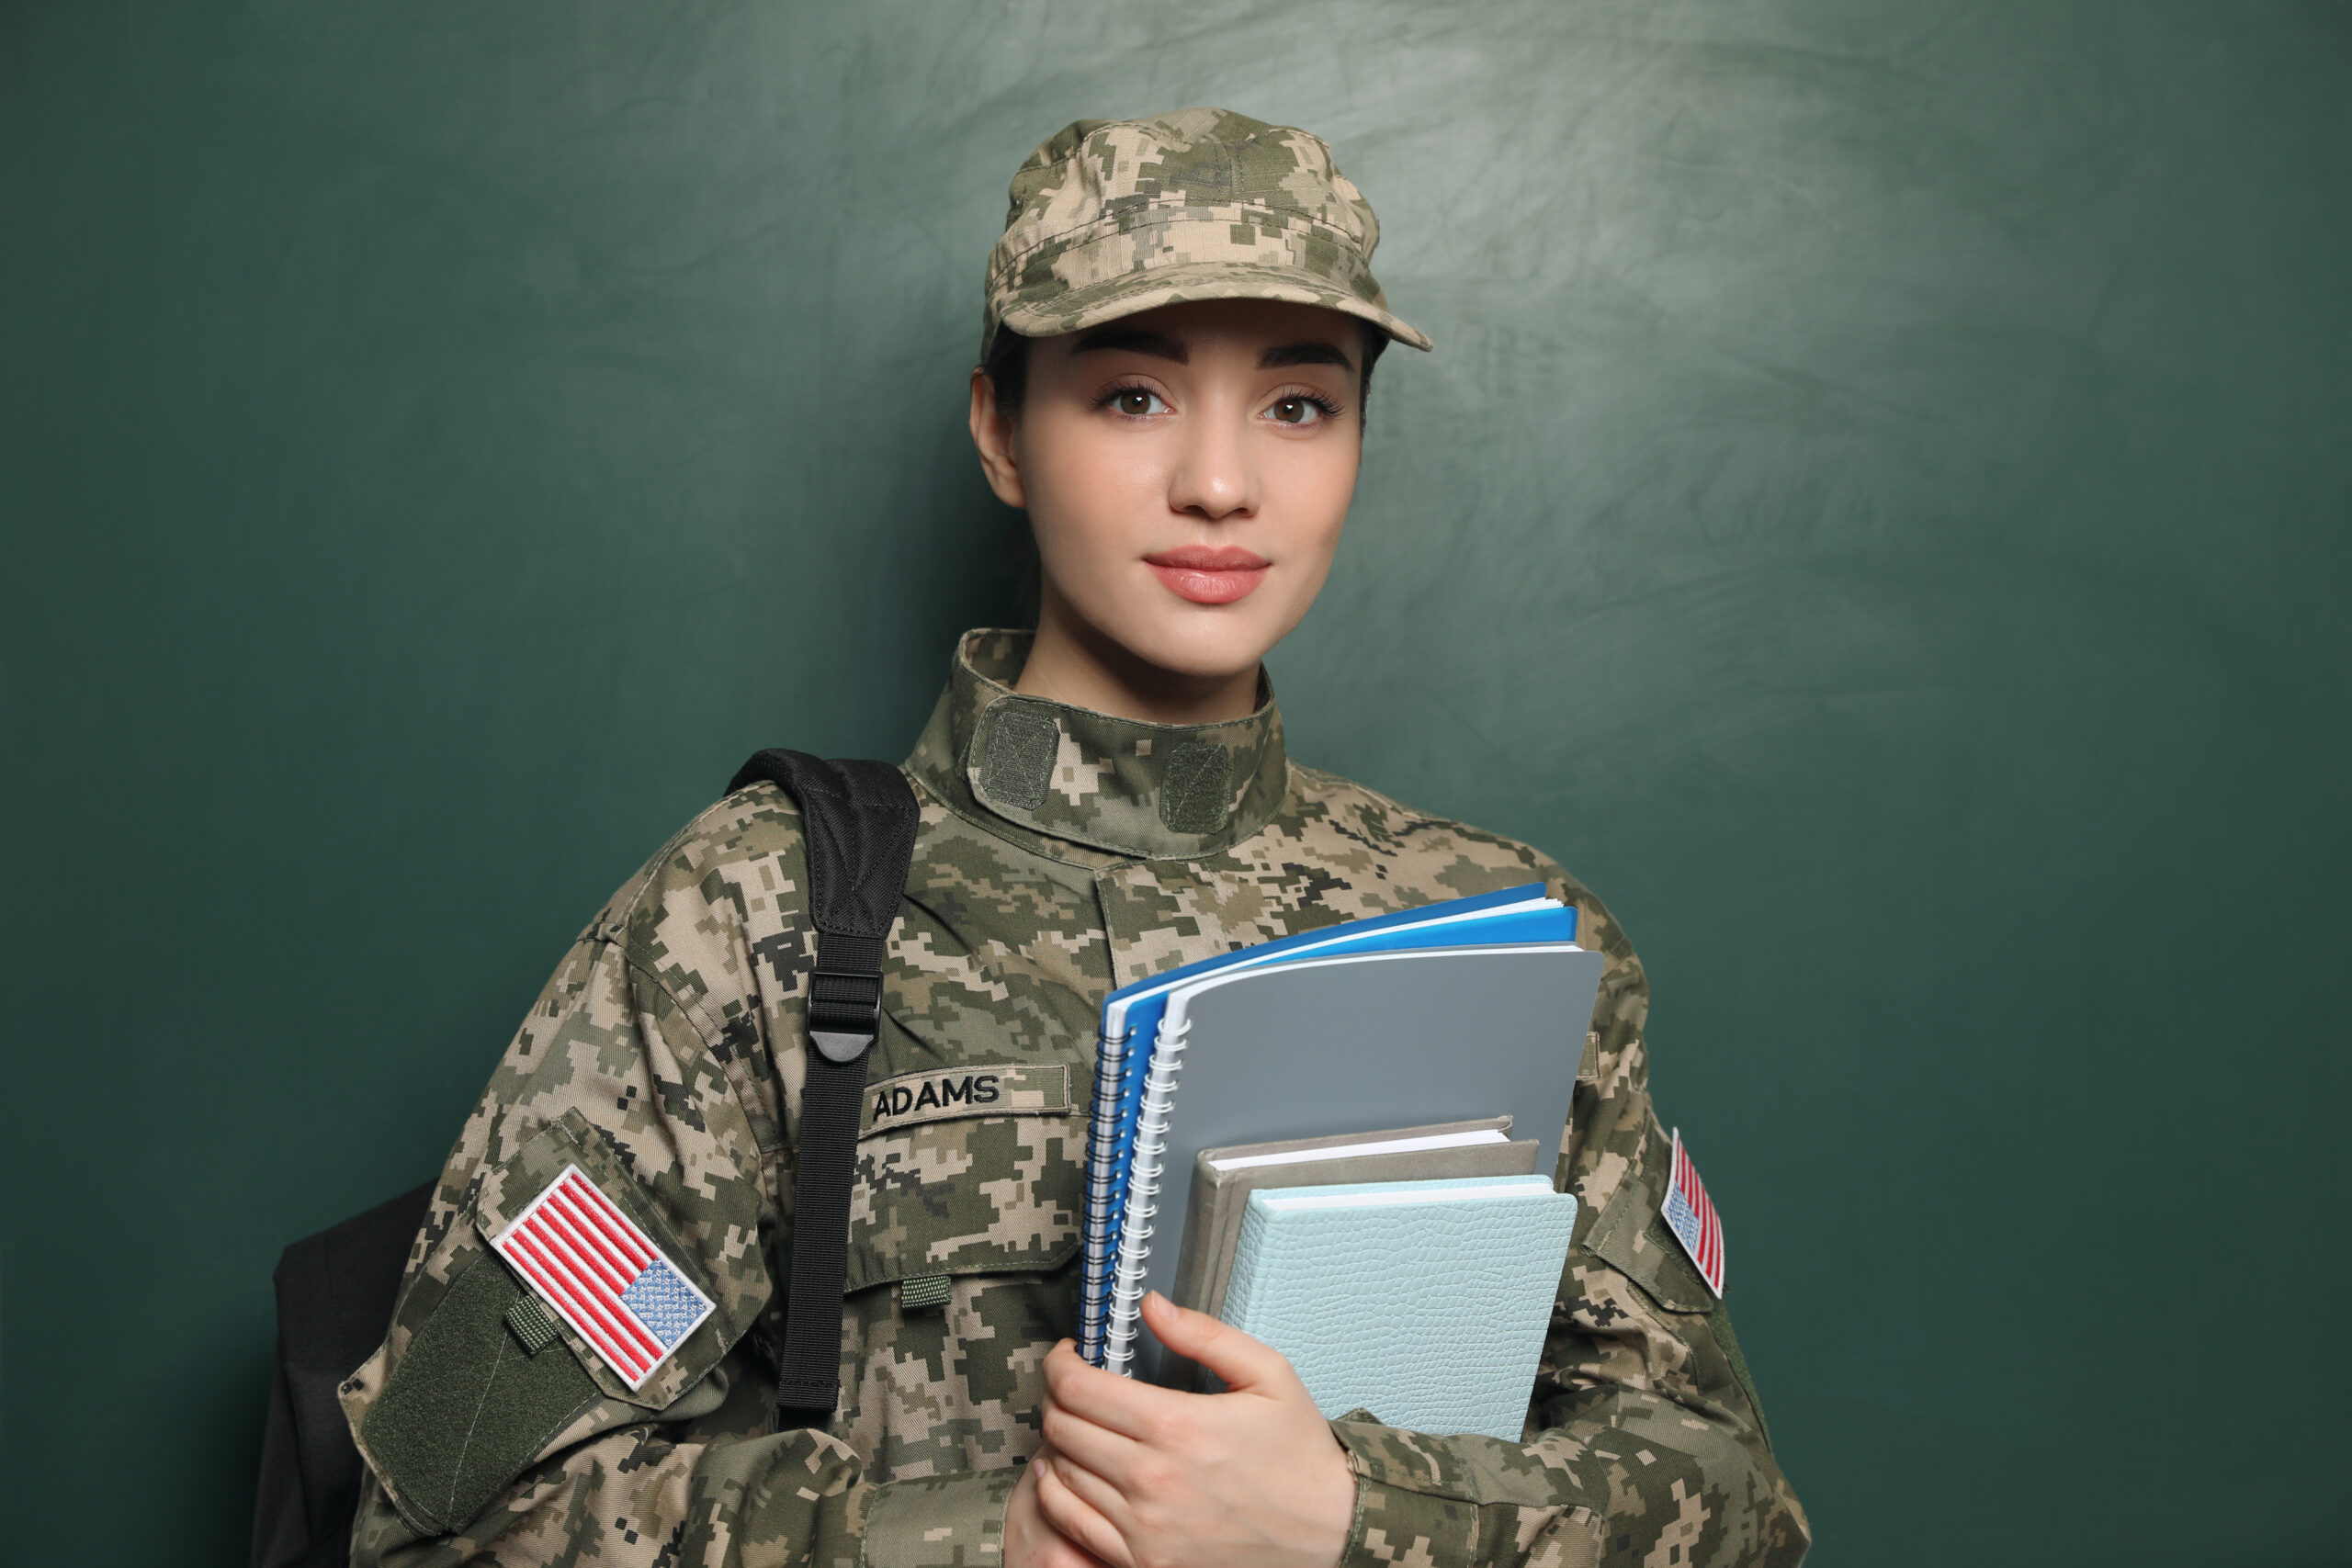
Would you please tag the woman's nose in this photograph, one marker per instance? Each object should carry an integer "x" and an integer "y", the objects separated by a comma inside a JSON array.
[{"x": 1213, "y": 478}]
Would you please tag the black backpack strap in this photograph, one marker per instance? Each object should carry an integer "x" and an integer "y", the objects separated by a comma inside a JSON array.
[{"x": 858, "y": 819}]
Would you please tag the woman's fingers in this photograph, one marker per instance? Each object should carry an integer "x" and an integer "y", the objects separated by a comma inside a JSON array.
[
  {"x": 1108, "y": 1454},
  {"x": 1075, "y": 1517},
  {"x": 1095, "y": 1491},
  {"x": 1031, "y": 1540},
  {"x": 1129, "y": 1407},
  {"x": 1247, "y": 1365}
]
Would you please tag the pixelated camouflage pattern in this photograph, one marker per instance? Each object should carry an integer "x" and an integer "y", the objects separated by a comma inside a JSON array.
[
  {"x": 1026, "y": 1161},
  {"x": 667, "y": 1049},
  {"x": 1110, "y": 217}
]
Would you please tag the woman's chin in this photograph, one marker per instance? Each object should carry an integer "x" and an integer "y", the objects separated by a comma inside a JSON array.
[{"x": 1202, "y": 642}]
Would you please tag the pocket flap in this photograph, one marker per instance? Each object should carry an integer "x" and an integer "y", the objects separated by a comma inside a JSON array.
[{"x": 976, "y": 1169}]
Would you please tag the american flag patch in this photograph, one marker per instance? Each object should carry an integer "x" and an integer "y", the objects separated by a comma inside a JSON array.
[
  {"x": 1692, "y": 1219},
  {"x": 603, "y": 1276}
]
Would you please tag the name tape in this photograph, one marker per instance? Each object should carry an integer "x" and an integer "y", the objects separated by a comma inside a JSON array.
[{"x": 940, "y": 1095}]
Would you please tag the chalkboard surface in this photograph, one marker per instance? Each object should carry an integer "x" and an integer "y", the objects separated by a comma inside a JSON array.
[{"x": 1878, "y": 512}]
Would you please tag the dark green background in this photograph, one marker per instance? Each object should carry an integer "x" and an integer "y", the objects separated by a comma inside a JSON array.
[{"x": 1878, "y": 512}]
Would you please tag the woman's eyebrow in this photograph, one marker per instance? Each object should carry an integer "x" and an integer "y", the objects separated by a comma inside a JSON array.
[
  {"x": 1135, "y": 340},
  {"x": 1304, "y": 354}
]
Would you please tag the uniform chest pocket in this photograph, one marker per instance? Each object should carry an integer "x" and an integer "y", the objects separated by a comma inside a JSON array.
[{"x": 976, "y": 1169}]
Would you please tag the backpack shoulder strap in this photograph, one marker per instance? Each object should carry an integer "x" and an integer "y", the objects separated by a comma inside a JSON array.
[{"x": 858, "y": 821}]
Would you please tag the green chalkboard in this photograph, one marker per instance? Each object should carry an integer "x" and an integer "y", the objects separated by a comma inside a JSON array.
[{"x": 1878, "y": 510}]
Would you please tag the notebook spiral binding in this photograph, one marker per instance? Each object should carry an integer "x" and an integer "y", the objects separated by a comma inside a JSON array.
[
  {"x": 1142, "y": 1191},
  {"x": 1101, "y": 1150}
]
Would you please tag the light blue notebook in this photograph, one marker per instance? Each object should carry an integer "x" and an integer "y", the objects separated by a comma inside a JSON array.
[{"x": 1423, "y": 1302}]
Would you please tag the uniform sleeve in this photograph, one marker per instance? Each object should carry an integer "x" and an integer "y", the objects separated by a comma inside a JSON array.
[
  {"x": 494, "y": 1432},
  {"x": 1646, "y": 1442}
]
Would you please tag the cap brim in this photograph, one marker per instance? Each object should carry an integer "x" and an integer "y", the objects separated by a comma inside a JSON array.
[{"x": 1135, "y": 292}]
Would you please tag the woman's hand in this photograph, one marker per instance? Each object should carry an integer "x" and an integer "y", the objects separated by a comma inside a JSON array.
[
  {"x": 1029, "y": 1540},
  {"x": 1147, "y": 1477}
]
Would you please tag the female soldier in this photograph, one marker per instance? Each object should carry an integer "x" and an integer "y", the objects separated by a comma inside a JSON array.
[{"x": 1180, "y": 333}]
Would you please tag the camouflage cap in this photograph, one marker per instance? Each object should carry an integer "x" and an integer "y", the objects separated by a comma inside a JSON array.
[{"x": 1113, "y": 217}]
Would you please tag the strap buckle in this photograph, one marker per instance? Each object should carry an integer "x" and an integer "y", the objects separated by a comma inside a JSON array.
[{"x": 844, "y": 1012}]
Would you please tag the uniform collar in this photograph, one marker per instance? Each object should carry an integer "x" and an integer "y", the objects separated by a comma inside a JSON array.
[{"x": 1047, "y": 769}]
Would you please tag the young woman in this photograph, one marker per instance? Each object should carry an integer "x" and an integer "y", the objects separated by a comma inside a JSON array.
[{"x": 1180, "y": 331}]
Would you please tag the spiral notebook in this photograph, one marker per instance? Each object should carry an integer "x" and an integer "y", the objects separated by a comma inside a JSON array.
[{"x": 1454, "y": 1011}]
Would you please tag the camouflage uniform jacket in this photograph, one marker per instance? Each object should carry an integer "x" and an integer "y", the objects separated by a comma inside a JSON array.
[{"x": 1060, "y": 853}]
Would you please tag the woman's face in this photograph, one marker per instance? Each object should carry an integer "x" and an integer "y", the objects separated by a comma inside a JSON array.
[{"x": 1186, "y": 471}]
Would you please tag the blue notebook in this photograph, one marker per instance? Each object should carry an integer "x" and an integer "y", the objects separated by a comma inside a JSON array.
[
  {"x": 1284, "y": 1012},
  {"x": 1423, "y": 1302}
]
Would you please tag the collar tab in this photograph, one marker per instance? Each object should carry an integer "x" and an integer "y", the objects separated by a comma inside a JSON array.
[{"x": 1157, "y": 791}]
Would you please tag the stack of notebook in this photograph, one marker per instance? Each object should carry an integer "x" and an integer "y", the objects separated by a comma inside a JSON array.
[{"x": 1381, "y": 1262}]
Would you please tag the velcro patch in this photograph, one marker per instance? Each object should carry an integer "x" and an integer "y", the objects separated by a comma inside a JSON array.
[
  {"x": 942, "y": 1094},
  {"x": 466, "y": 1408},
  {"x": 604, "y": 1277}
]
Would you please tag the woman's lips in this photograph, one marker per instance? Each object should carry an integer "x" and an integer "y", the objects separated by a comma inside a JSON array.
[{"x": 1206, "y": 576}]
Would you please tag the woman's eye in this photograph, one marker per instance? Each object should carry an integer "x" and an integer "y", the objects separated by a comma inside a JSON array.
[
  {"x": 1294, "y": 410},
  {"x": 1137, "y": 403}
]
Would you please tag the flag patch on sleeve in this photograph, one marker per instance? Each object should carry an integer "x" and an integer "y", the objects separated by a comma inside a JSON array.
[
  {"x": 1692, "y": 1219},
  {"x": 603, "y": 1276}
]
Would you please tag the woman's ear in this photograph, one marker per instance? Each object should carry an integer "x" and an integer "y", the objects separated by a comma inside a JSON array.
[{"x": 992, "y": 432}]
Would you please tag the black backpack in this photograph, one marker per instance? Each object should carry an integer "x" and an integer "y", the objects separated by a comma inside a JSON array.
[{"x": 335, "y": 1290}]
